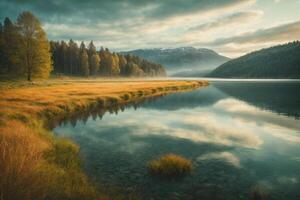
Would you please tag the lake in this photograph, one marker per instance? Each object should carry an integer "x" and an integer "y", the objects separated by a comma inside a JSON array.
[{"x": 240, "y": 136}]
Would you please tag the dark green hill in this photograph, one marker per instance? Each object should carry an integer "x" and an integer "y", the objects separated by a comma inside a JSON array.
[{"x": 281, "y": 61}]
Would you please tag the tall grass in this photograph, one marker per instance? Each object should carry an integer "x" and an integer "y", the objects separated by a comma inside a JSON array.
[
  {"x": 21, "y": 151},
  {"x": 170, "y": 166}
]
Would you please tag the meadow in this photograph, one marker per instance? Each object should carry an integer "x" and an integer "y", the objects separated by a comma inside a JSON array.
[{"x": 34, "y": 164}]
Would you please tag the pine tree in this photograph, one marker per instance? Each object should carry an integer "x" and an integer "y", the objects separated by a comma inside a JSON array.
[
  {"x": 63, "y": 57},
  {"x": 91, "y": 49},
  {"x": 105, "y": 62},
  {"x": 34, "y": 48},
  {"x": 10, "y": 42},
  {"x": 132, "y": 69},
  {"x": 122, "y": 64},
  {"x": 54, "y": 49},
  {"x": 94, "y": 59},
  {"x": 83, "y": 60},
  {"x": 115, "y": 69},
  {"x": 73, "y": 54},
  {"x": 94, "y": 64}
]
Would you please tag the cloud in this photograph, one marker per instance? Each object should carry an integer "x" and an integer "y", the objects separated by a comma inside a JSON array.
[
  {"x": 222, "y": 156},
  {"x": 119, "y": 24},
  {"x": 281, "y": 33},
  {"x": 103, "y": 10},
  {"x": 233, "y": 19}
]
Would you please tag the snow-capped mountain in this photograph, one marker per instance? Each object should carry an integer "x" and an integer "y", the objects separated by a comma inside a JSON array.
[{"x": 186, "y": 61}]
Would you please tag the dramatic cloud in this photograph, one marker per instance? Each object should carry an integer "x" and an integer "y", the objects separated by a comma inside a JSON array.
[
  {"x": 234, "y": 19},
  {"x": 116, "y": 22},
  {"x": 77, "y": 11},
  {"x": 131, "y": 24},
  {"x": 285, "y": 32}
]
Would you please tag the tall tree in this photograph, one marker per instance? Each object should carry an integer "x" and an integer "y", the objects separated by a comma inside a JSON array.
[
  {"x": 63, "y": 57},
  {"x": 83, "y": 60},
  {"x": 94, "y": 59},
  {"x": 104, "y": 62},
  {"x": 73, "y": 54},
  {"x": 10, "y": 42},
  {"x": 115, "y": 69},
  {"x": 34, "y": 48},
  {"x": 54, "y": 49},
  {"x": 122, "y": 64}
]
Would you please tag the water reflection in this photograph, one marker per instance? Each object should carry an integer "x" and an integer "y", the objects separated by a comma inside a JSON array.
[
  {"x": 234, "y": 146},
  {"x": 280, "y": 97},
  {"x": 98, "y": 111}
]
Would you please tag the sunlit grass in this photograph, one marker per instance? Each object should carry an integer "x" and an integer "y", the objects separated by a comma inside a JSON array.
[{"x": 170, "y": 166}]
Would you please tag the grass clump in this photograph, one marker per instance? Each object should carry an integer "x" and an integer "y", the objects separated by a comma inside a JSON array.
[{"x": 170, "y": 166}]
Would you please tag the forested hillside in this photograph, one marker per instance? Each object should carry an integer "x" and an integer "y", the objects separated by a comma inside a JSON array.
[
  {"x": 281, "y": 61},
  {"x": 25, "y": 52},
  {"x": 182, "y": 61}
]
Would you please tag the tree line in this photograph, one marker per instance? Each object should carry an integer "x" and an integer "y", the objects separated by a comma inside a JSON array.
[
  {"x": 71, "y": 59},
  {"x": 25, "y": 51}
]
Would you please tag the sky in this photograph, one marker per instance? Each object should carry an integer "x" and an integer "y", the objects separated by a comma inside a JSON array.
[{"x": 230, "y": 27}]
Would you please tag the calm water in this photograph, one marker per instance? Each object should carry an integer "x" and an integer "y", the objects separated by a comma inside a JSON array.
[{"x": 239, "y": 135}]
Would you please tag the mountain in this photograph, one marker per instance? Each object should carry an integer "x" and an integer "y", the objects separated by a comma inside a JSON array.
[
  {"x": 183, "y": 60},
  {"x": 282, "y": 61}
]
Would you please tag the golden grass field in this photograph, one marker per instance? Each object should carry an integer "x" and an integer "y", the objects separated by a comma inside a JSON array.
[{"x": 36, "y": 165}]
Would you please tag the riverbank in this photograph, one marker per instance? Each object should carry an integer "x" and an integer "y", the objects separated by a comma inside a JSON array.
[{"x": 36, "y": 165}]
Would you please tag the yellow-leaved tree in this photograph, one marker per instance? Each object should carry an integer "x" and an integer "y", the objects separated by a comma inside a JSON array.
[{"x": 34, "y": 48}]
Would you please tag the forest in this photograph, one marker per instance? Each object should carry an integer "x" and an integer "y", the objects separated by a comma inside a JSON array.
[
  {"x": 26, "y": 52},
  {"x": 281, "y": 61},
  {"x": 69, "y": 59}
]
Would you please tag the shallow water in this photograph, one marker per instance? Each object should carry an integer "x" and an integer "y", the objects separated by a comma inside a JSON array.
[{"x": 239, "y": 135}]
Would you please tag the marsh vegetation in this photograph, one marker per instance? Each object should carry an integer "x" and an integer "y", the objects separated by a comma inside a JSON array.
[{"x": 170, "y": 166}]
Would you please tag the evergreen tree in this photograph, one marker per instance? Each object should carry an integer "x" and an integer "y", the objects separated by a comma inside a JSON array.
[
  {"x": 34, "y": 48},
  {"x": 83, "y": 60},
  {"x": 122, "y": 64},
  {"x": 73, "y": 55},
  {"x": 115, "y": 69},
  {"x": 94, "y": 59},
  {"x": 132, "y": 69},
  {"x": 54, "y": 49},
  {"x": 94, "y": 64},
  {"x": 91, "y": 49},
  {"x": 63, "y": 57},
  {"x": 105, "y": 62},
  {"x": 10, "y": 42}
]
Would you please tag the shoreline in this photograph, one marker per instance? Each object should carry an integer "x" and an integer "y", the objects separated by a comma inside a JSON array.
[{"x": 48, "y": 159}]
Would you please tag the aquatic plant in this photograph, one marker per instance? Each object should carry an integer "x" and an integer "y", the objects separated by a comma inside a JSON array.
[{"x": 170, "y": 166}]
